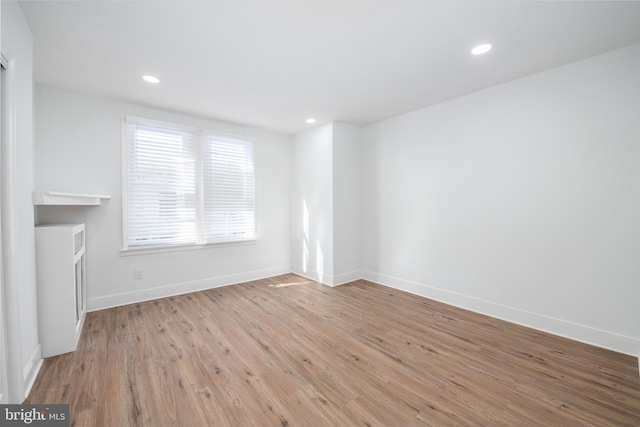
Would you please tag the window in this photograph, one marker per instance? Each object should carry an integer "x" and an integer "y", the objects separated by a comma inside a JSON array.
[
  {"x": 184, "y": 186},
  {"x": 229, "y": 190}
]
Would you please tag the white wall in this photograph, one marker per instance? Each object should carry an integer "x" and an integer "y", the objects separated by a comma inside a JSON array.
[
  {"x": 326, "y": 240},
  {"x": 312, "y": 204},
  {"x": 347, "y": 205},
  {"x": 16, "y": 35},
  {"x": 78, "y": 143},
  {"x": 521, "y": 201}
]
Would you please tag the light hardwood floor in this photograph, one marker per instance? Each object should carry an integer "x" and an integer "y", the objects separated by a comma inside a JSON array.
[{"x": 286, "y": 351}]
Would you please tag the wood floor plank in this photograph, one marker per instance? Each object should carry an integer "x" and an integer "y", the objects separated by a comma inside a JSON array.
[{"x": 287, "y": 351}]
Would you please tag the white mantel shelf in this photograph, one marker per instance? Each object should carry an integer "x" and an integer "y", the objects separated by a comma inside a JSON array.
[{"x": 57, "y": 198}]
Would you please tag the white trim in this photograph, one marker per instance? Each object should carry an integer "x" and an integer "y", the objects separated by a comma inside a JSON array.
[
  {"x": 227, "y": 136},
  {"x": 326, "y": 279},
  {"x": 142, "y": 250},
  {"x": 199, "y": 190},
  {"x": 31, "y": 370},
  {"x": 4, "y": 368},
  {"x": 125, "y": 183},
  {"x": 563, "y": 328},
  {"x": 158, "y": 124},
  {"x": 11, "y": 296},
  {"x": 59, "y": 198},
  {"x": 101, "y": 303},
  {"x": 343, "y": 279}
]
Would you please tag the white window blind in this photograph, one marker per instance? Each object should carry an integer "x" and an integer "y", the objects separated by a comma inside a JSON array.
[
  {"x": 229, "y": 190},
  {"x": 185, "y": 187}
]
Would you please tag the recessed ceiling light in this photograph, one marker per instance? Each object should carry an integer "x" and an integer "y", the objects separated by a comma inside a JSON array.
[
  {"x": 311, "y": 121},
  {"x": 151, "y": 79},
  {"x": 480, "y": 49}
]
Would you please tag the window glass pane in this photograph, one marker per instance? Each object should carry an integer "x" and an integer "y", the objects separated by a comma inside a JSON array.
[
  {"x": 160, "y": 186},
  {"x": 229, "y": 190}
]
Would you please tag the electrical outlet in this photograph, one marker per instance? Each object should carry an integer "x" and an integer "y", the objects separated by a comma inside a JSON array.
[{"x": 138, "y": 273}]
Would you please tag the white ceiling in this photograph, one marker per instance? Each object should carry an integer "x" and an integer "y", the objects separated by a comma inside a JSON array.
[{"x": 273, "y": 63}]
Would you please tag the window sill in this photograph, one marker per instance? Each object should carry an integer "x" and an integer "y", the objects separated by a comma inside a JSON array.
[{"x": 180, "y": 248}]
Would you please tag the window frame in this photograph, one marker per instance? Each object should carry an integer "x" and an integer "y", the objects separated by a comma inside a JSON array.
[{"x": 199, "y": 137}]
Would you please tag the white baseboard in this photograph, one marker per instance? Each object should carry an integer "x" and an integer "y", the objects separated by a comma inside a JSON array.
[
  {"x": 312, "y": 275},
  {"x": 326, "y": 279},
  {"x": 31, "y": 370},
  {"x": 342, "y": 279},
  {"x": 563, "y": 328},
  {"x": 101, "y": 303}
]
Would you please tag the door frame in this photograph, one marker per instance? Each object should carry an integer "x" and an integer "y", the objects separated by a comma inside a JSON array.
[
  {"x": 11, "y": 300},
  {"x": 4, "y": 382}
]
